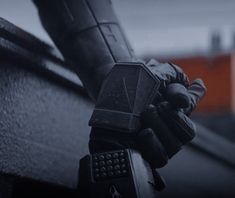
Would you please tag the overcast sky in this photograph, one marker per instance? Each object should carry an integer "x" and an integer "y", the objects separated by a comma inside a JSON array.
[{"x": 154, "y": 26}]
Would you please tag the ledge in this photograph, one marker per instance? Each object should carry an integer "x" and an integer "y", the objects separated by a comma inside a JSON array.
[{"x": 18, "y": 46}]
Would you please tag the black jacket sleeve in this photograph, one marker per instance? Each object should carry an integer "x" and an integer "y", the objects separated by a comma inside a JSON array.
[{"x": 88, "y": 35}]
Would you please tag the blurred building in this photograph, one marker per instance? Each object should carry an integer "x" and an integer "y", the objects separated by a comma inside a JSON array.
[{"x": 217, "y": 71}]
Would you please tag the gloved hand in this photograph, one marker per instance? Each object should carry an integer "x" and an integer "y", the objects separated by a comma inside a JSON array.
[
  {"x": 169, "y": 124},
  {"x": 166, "y": 125}
]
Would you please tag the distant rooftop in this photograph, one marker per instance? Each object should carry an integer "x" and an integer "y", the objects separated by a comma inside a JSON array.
[{"x": 164, "y": 26}]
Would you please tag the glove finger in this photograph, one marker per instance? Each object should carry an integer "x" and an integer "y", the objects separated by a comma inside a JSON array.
[
  {"x": 170, "y": 142},
  {"x": 168, "y": 73},
  {"x": 177, "y": 95},
  {"x": 179, "y": 123},
  {"x": 196, "y": 91},
  {"x": 151, "y": 148},
  {"x": 181, "y": 77}
]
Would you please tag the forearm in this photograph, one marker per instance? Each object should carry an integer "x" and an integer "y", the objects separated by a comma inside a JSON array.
[{"x": 88, "y": 35}]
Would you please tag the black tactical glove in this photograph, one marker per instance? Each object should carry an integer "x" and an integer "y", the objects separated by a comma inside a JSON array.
[
  {"x": 166, "y": 126},
  {"x": 169, "y": 123},
  {"x": 93, "y": 47}
]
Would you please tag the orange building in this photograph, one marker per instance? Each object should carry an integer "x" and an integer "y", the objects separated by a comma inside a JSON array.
[{"x": 218, "y": 74}]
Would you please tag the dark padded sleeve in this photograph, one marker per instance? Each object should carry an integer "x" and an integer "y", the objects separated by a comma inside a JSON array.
[{"x": 88, "y": 35}]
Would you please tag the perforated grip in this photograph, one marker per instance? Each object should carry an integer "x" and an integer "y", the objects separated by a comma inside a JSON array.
[{"x": 129, "y": 177}]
